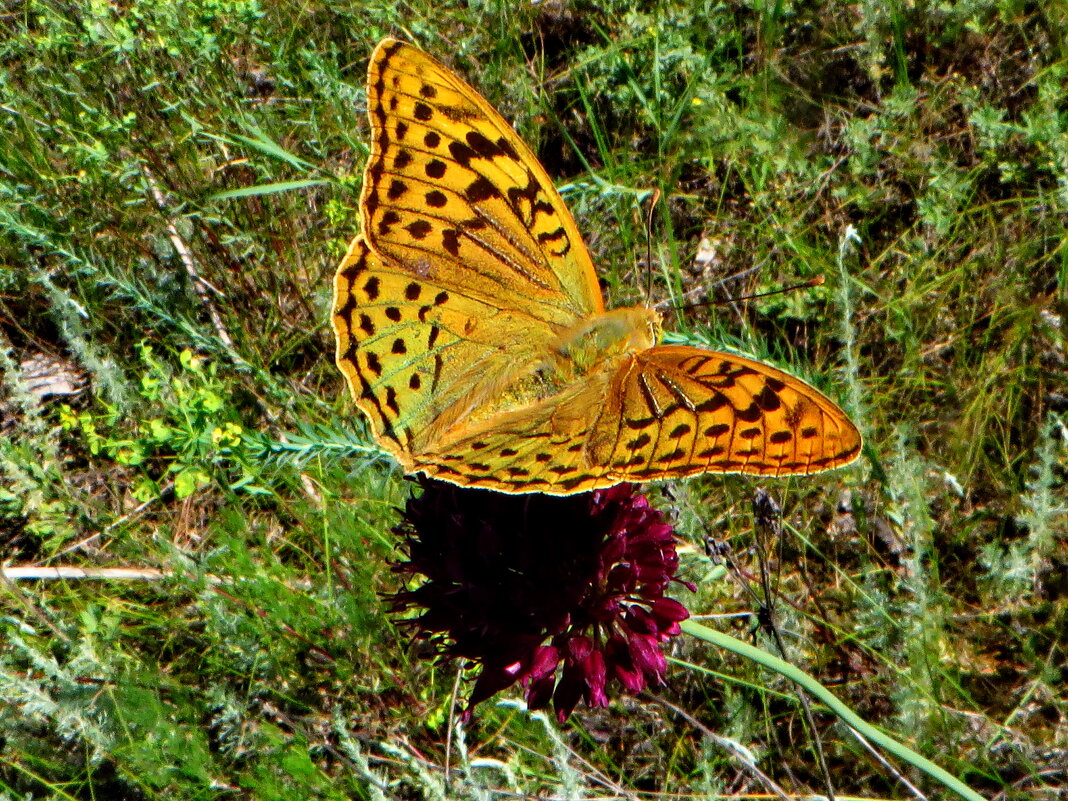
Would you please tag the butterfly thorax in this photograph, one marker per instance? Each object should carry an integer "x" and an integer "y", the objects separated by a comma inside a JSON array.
[{"x": 601, "y": 340}]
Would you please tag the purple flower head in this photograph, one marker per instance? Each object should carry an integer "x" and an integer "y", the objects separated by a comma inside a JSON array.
[{"x": 564, "y": 595}]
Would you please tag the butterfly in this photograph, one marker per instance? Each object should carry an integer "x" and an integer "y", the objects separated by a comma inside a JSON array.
[{"x": 473, "y": 335}]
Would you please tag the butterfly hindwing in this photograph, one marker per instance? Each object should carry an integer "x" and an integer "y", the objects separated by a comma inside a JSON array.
[
  {"x": 453, "y": 194},
  {"x": 678, "y": 411},
  {"x": 666, "y": 412}
]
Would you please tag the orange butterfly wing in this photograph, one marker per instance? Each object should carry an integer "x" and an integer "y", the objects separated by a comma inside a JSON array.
[
  {"x": 452, "y": 194},
  {"x": 682, "y": 411},
  {"x": 666, "y": 412}
]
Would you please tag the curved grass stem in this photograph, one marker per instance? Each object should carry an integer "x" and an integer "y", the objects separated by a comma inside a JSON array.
[{"x": 825, "y": 696}]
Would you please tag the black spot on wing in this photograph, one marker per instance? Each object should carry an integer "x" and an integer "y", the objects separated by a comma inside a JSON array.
[
  {"x": 768, "y": 399},
  {"x": 391, "y": 400},
  {"x": 370, "y": 289},
  {"x": 481, "y": 189},
  {"x": 680, "y": 431},
  {"x": 373, "y": 364},
  {"x": 450, "y": 240},
  {"x": 751, "y": 414},
  {"x": 461, "y": 153},
  {"x": 419, "y": 229},
  {"x": 482, "y": 147}
]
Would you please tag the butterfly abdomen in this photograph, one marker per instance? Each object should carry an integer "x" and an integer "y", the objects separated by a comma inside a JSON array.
[{"x": 528, "y": 373}]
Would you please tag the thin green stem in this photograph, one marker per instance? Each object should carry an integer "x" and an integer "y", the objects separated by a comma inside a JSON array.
[{"x": 844, "y": 713}]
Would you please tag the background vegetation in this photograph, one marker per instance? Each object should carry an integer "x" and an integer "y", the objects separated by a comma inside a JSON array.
[{"x": 178, "y": 181}]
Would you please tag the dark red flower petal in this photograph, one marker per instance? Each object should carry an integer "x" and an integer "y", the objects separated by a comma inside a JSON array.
[
  {"x": 540, "y": 692},
  {"x": 668, "y": 609},
  {"x": 568, "y": 692},
  {"x": 646, "y": 655},
  {"x": 546, "y": 658},
  {"x": 578, "y": 648},
  {"x": 618, "y": 656},
  {"x": 596, "y": 679}
]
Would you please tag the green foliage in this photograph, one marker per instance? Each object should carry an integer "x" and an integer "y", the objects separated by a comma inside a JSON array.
[
  {"x": 188, "y": 439},
  {"x": 177, "y": 183}
]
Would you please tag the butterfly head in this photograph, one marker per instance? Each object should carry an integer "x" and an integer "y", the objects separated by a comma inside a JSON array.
[{"x": 632, "y": 328}]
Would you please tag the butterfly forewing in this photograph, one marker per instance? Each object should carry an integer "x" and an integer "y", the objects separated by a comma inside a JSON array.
[{"x": 452, "y": 193}]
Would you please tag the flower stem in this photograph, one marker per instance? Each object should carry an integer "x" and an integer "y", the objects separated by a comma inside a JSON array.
[{"x": 844, "y": 713}]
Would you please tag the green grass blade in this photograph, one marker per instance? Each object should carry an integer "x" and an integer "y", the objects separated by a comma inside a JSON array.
[
  {"x": 266, "y": 189},
  {"x": 261, "y": 142},
  {"x": 847, "y": 715}
]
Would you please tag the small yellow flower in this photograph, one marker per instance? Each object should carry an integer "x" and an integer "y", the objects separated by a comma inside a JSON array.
[{"x": 226, "y": 436}]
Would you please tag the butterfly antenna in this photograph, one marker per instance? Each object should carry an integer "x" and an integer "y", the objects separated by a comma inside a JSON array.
[
  {"x": 649, "y": 244},
  {"x": 812, "y": 282}
]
